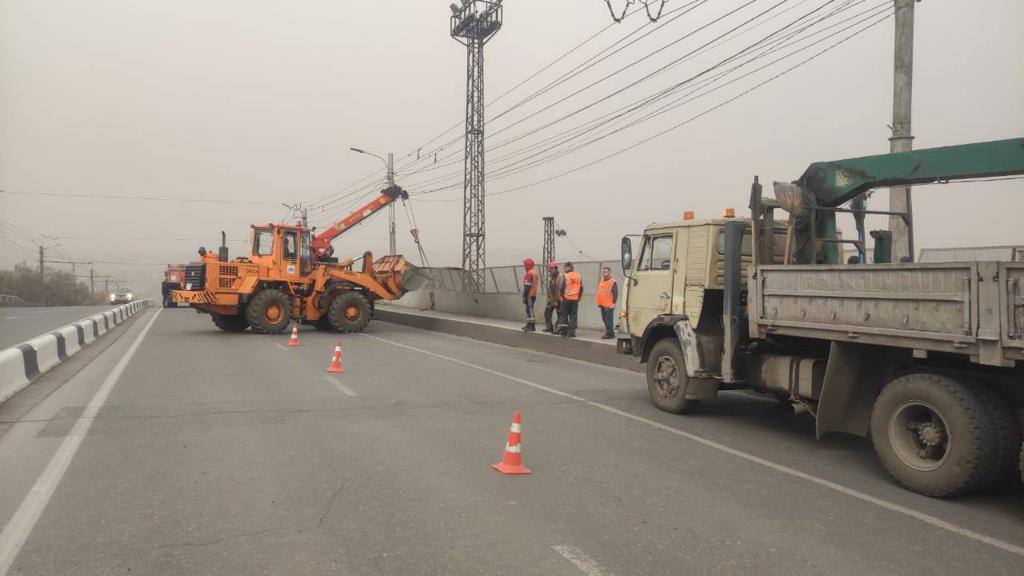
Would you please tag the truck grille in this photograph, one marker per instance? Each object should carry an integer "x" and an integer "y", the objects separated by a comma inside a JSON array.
[{"x": 195, "y": 276}]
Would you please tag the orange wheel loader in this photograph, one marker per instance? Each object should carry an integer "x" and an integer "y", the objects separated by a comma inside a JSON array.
[{"x": 291, "y": 275}]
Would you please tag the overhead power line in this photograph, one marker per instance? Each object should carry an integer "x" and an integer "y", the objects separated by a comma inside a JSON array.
[{"x": 133, "y": 197}]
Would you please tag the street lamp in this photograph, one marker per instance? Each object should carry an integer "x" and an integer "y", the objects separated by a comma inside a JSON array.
[{"x": 389, "y": 165}]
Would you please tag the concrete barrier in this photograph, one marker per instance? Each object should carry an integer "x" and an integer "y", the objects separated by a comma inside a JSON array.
[
  {"x": 579, "y": 349},
  {"x": 21, "y": 364}
]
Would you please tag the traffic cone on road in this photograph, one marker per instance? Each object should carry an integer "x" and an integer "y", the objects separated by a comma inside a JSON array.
[
  {"x": 512, "y": 462},
  {"x": 335, "y": 365},
  {"x": 294, "y": 340}
]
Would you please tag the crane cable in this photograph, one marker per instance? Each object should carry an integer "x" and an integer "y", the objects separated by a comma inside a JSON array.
[{"x": 414, "y": 230}]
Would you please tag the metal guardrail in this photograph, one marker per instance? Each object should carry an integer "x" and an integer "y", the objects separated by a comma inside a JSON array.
[
  {"x": 10, "y": 300},
  {"x": 508, "y": 279}
]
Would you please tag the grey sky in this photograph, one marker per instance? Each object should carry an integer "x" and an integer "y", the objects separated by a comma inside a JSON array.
[{"x": 260, "y": 101}]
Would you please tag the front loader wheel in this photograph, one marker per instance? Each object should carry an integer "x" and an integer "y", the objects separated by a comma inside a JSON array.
[
  {"x": 349, "y": 312},
  {"x": 269, "y": 311},
  {"x": 230, "y": 323}
]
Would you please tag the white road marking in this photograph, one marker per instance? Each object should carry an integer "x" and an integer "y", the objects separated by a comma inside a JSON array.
[
  {"x": 282, "y": 347},
  {"x": 337, "y": 384},
  {"x": 16, "y": 531},
  {"x": 927, "y": 518},
  {"x": 585, "y": 563}
]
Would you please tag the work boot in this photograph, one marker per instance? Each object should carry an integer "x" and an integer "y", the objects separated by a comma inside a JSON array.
[
  {"x": 530, "y": 327},
  {"x": 548, "y": 328},
  {"x": 572, "y": 333},
  {"x": 607, "y": 337}
]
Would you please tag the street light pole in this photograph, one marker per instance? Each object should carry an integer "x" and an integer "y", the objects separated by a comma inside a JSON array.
[{"x": 389, "y": 165}]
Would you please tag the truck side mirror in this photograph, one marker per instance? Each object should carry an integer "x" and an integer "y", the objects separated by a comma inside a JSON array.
[{"x": 627, "y": 255}]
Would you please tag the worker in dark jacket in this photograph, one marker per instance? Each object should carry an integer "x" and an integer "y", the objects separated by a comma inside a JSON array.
[
  {"x": 554, "y": 297},
  {"x": 607, "y": 296},
  {"x": 531, "y": 283}
]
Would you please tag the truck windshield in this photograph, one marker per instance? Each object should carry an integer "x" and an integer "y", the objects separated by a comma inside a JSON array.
[{"x": 263, "y": 242}]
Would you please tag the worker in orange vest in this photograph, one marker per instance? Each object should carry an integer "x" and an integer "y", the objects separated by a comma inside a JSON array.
[
  {"x": 572, "y": 291},
  {"x": 531, "y": 282},
  {"x": 607, "y": 296}
]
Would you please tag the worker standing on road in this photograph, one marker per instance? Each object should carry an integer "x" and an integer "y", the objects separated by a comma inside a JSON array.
[
  {"x": 571, "y": 292},
  {"x": 531, "y": 282},
  {"x": 554, "y": 300},
  {"x": 607, "y": 296}
]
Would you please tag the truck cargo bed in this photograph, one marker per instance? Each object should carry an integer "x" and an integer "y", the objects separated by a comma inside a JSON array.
[{"x": 968, "y": 308}]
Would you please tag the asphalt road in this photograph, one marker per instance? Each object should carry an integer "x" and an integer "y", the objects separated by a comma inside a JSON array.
[
  {"x": 20, "y": 324},
  {"x": 216, "y": 453}
]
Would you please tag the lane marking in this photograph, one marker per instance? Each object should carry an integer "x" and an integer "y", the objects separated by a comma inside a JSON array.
[
  {"x": 585, "y": 563},
  {"x": 17, "y": 531},
  {"x": 927, "y": 518},
  {"x": 337, "y": 384}
]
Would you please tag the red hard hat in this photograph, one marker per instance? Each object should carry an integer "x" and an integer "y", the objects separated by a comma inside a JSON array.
[{"x": 552, "y": 264}]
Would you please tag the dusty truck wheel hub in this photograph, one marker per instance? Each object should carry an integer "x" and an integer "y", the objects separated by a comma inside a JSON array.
[
  {"x": 351, "y": 312},
  {"x": 273, "y": 313},
  {"x": 919, "y": 435},
  {"x": 666, "y": 377}
]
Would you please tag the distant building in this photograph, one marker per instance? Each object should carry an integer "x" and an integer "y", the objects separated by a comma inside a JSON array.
[{"x": 976, "y": 253}]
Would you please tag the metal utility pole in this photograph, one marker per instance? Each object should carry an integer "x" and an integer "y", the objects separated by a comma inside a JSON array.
[
  {"x": 92, "y": 283},
  {"x": 391, "y": 207},
  {"x": 390, "y": 166},
  {"x": 42, "y": 277},
  {"x": 902, "y": 140},
  {"x": 549, "y": 241},
  {"x": 473, "y": 24}
]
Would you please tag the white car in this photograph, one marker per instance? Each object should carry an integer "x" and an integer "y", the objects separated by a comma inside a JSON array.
[{"x": 121, "y": 296}]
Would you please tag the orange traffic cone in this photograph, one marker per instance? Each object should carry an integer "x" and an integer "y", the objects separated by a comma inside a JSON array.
[
  {"x": 335, "y": 365},
  {"x": 512, "y": 462},
  {"x": 294, "y": 340}
]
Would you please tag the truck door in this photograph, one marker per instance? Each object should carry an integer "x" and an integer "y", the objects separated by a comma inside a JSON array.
[
  {"x": 651, "y": 292},
  {"x": 290, "y": 255}
]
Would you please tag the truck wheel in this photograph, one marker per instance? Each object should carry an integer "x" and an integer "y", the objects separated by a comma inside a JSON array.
[
  {"x": 932, "y": 435},
  {"x": 1006, "y": 437},
  {"x": 230, "y": 323},
  {"x": 1022, "y": 463},
  {"x": 269, "y": 311},
  {"x": 666, "y": 378},
  {"x": 349, "y": 312}
]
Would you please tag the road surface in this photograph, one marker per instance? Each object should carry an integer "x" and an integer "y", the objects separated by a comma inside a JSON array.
[
  {"x": 185, "y": 450},
  {"x": 20, "y": 324}
]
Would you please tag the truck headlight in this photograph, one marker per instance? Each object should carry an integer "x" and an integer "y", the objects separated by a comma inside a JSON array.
[{"x": 129, "y": 295}]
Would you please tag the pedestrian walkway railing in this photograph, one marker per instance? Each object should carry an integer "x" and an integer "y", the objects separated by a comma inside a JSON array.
[{"x": 509, "y": 279}]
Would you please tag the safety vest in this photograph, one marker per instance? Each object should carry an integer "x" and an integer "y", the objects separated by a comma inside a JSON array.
[
  {"x": 573, "y": 283},
  {"x": 604, "y": 293},
  {"x": 533, "y": 279}
]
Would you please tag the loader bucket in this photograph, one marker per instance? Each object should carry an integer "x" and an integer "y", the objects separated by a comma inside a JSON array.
[{"x": 398, "y": 275}]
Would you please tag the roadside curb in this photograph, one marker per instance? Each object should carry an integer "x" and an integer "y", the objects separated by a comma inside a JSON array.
[
  {"x": 23, "y": 363},
  {"x": 568, "y": 348}
]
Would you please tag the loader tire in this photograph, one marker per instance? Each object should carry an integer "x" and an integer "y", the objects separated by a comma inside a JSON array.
[
  {"x": 931, "y": 433},
  {"x": 230, "y": 323},
  {"x": 349, "y": 312},
  {"x": 269, "y": 311},
  {"x": 667, "y": 379}
]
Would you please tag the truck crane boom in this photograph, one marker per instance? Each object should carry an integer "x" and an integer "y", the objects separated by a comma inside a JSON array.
[
  {"x": 814, "y": 199},
  {"x": 321, "y": 244}
]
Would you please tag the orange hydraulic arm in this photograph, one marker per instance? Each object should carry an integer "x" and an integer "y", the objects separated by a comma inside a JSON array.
[{"x": 322, "y": 243}]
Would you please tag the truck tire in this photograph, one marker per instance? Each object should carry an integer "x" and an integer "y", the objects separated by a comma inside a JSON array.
[
  {"x": 269, "y": 311},
  {"x": 1007, "y": 438},
  {"x": 349, "y": 312},
  {"x": 666, "y": 377},
  {"x": 932, "y": 435},
  {"x": 1022, "y": 463},
  {"x": 230, "y": 323}
]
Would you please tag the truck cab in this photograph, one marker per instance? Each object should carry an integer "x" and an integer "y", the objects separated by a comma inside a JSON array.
[{"x": 283, "y": 249}]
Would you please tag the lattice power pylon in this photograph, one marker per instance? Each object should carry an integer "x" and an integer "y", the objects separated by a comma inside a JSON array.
[
  {"x": 549, "y": 241},
  {"x": 473, "y": 23}
]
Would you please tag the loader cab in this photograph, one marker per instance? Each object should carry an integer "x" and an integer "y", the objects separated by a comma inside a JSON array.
[{"x": 284, "y": 249}]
